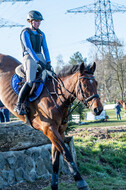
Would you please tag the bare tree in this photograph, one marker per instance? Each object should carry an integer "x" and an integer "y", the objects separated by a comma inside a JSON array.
[{"x": 111, "y": 76}]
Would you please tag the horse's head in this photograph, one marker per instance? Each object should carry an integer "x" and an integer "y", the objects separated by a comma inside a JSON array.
[{"x": 86, "y": 90}]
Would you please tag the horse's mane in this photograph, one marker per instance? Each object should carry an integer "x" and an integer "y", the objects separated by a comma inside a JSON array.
[
  {"x": 71, "y": 69},
  {"x": 68, "y": 70}
]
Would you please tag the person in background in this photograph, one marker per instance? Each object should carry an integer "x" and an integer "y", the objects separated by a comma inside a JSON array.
[
  {"x": 4, "y": 113},
  {"x": 118, "y": 110},
  {"x": 33, "y": 41}
]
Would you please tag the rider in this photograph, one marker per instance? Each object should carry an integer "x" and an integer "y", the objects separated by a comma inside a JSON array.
[{"x": 32, "y": 40}]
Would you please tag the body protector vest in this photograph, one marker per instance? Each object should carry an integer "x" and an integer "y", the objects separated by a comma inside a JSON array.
[{"x": 36, "y": 40}]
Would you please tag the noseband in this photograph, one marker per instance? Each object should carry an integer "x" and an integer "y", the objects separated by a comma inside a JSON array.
[{"x": 94, "y": 96}]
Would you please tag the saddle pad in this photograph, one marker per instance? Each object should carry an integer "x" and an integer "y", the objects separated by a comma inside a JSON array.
[{"x": 14, "y": 83}]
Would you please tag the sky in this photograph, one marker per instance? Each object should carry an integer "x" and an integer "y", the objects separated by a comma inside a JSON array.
[{"x": 66, "y": 33}]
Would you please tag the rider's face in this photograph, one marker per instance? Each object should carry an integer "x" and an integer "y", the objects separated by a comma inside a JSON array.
[{"x": 36, "y": 23}]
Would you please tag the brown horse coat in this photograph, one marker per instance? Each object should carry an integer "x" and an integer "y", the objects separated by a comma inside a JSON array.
[{"x": 44, "y": 114}]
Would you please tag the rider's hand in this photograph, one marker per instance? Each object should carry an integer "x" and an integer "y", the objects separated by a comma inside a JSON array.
[
  {"x": 42, "y": 64},
  {"x": 39, "y": 67},
  {"x": 48, "y": 66}
]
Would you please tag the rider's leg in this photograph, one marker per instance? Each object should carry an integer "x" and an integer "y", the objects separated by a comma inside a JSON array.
[
  {"x": 30, "y": 67},
  {"x": 24, "y": 92},
  {"x": 43, "y": 72},
  {"x": 20, "y": 71}
]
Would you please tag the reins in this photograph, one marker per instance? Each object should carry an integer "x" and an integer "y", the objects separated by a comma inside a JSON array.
[
  {"x": 57, "y": 106},
  {"x": 85, "y": 101}
]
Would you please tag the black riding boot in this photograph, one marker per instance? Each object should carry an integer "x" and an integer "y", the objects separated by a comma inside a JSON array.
[{"x": 24, "y": 92}]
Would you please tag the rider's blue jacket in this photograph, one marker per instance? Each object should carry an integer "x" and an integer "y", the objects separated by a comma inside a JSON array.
[{"x": 32, "y": 43}]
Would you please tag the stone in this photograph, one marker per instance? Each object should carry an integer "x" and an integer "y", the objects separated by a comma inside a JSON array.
[
  {"x": 11, "y": 177},
  {"x": 40, "y": 167},
  {"x": 19, "y": 174},
  {"x": 5, "y": 174},
  {"x": 20, "y": 160},
  {"x": 28, "y": 164},
  {"x": 11, "y": 161},
  {"x": 35, "y": 153},
  {"x": 26, "y": 154},
  {"x": 2, "y": 162},
  {"x": 20, "y": 136},
  {"x": 2, "y": 182},
  {"x": 33, "y": 176}
]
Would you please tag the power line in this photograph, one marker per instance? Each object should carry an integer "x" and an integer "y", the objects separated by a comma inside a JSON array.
[
  {"x": 6, "y": 23},
  {"x": 14, "y": 1}
]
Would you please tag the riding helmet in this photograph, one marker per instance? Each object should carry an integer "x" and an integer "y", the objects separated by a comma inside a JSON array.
[{"x": 34, "y": 15}]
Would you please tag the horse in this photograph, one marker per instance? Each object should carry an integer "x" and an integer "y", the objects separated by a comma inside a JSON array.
[
  {"x": 123, "y": 105},
  {"x": 49, "y": 112}
]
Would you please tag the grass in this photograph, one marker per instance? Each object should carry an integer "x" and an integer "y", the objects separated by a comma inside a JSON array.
[
  {"x": 112, "y": 121},
  {"x": 64, "y": 186},
  {"x": 101, "y": 161}
]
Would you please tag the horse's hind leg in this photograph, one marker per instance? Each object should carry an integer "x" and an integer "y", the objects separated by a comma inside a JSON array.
[
  {"x": 56, "y": 139},
  {"x": 55, "y": 165}
]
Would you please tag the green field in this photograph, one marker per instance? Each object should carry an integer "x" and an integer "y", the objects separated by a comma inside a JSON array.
[
  {"x": 112, "y": 121},
  {"x": 101, "y": 161}
]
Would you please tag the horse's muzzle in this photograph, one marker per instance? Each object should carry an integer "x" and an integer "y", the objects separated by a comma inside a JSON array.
[{"x": 97, "y": 110}]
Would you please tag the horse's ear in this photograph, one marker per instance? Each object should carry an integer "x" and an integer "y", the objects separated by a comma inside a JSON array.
[
  {"x": 93, "y": 67},
  {"x": 82, "y": 67}
]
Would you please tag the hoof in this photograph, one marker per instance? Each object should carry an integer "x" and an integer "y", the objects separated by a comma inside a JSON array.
[
  {"x": 82, "y": 185},
  {"x": 84, "y": 188},
  {"x": 54, "y": 187}
]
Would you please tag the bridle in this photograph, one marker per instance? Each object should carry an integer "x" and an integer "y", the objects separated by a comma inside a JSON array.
[
  {"x": 85, "y": 101},
  {"x": 94, "y": 96}
]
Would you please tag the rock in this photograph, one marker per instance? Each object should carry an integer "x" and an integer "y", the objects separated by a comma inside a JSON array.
[{"x": 26, "y": 154}]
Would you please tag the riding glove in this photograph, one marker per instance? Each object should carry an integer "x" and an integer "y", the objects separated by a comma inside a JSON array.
[
  {"x": 42, "y": 64},
  {"x": 48, "y": 66}
]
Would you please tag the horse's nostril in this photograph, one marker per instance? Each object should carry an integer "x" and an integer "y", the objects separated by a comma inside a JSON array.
[{"x": 97, "y": 111}]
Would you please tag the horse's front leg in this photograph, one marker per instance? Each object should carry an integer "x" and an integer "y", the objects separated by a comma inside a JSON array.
[
  {"x": 56, "y": 139},
  {"x": 55, "y": 165},
  {"x": 81, "y": 183}
]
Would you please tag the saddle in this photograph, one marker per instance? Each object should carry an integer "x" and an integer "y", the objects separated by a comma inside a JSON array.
[{"x": 18, "y": 81}]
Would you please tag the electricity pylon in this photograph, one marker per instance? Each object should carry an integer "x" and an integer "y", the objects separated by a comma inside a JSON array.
[
  {"x": 105, "y": 38},
  {"x": 7, "y": 23}
]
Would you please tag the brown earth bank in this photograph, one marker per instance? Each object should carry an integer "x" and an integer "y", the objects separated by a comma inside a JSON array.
[{"x": 100, "y": 132}]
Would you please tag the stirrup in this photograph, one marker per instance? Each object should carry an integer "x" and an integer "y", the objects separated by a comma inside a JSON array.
[{"x": 19, "y": 110}]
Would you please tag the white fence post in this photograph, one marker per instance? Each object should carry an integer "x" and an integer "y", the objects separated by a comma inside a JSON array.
[{"x": 76, "y": 118}]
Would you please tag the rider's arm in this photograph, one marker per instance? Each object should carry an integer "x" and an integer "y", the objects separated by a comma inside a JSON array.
[
  {"x": 27, "y": 43},
  {"x": 45, "y": 49}
]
